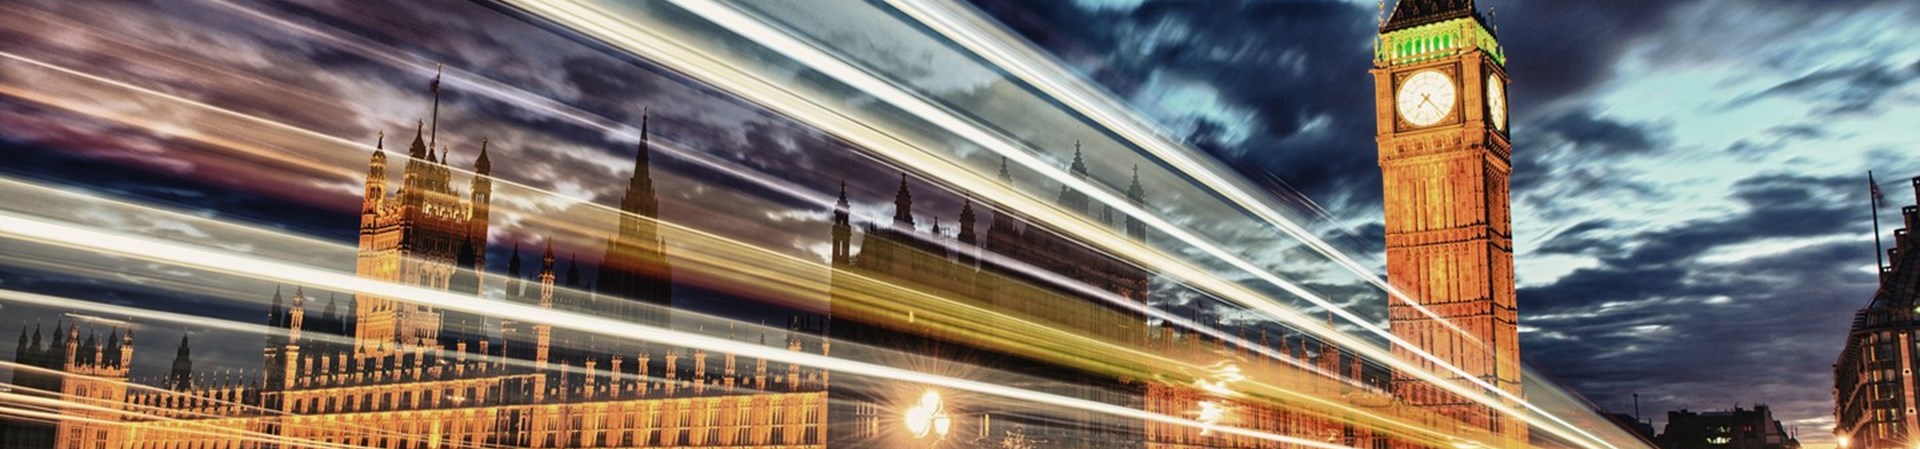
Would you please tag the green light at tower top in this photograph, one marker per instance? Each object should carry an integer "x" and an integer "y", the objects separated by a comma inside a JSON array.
[{"x": 1435, "y": 40}]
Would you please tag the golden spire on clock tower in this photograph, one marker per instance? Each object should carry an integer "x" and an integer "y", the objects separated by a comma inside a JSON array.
[{"x": 1445, "y": 161}]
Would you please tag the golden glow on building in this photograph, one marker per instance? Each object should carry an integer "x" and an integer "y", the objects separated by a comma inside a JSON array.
[{"x": 1446, "y": 162}]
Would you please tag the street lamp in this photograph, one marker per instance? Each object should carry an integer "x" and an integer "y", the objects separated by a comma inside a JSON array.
[{"x": 928, "y": 420}]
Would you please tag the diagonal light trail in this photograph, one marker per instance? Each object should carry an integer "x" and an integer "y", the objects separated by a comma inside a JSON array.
[
  {"x": 984, "y": 38},
  {"x": 358, "y": 146},
  {"x": 683, "y": 56},
  {"x": 534, "y": 102},
  {"x": 93, "y": 240},
  {"x": 989, "y": 40},
  {"x": 21, "y": 196},
  {"x": 505, "y": 92}
]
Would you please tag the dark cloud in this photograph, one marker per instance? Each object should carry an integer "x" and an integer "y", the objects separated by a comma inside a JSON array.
[
  {"x": 1586, "y": 38},
  {"x": 1590, "y": 133},
  {"x": 1666, "y": 308},
  {"x": 1298, "y": 86},
  {"x": 1842, "y": 89},
  {"x": 1583, "y": 238}
]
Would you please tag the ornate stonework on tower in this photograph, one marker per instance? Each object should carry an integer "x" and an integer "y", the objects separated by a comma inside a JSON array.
[
  {"x": 414, "y": 236},
  {"x": 1440, "y": 81},
  {"x": 635, "y": 267}
]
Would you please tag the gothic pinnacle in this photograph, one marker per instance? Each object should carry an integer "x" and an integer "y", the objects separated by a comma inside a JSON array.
[{"x": 483, "y": 165}]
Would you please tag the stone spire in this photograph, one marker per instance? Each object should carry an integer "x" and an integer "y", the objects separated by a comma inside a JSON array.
[
  {"x": 1079, "y": 166},
  {"x": 180, "y": 378},
  {"x": 842, "y": 229},
  {"x": 966, "y": 224},
  {"x": 277, "y": 314},
  {"x": 634, "y": 267},
  {"x": 1413, "y": 13},
  {"x": 1137, "y": 195},
  {"x": 483, "y": 165},
  {"x": 903, "y": 206},
  {"x": 1071, "y": 199}
]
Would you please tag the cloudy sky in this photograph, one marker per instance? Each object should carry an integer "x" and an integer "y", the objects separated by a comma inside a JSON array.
[
  {"x": 1689, "y": 202},
  {"x": 1690, "y": 198}
]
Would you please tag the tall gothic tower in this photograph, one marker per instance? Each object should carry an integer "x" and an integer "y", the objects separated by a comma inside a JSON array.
[
  {"x": 635, "y": 267},
  {"x": 1439, "y": 87},
  {"x": 413, "y": 235}
]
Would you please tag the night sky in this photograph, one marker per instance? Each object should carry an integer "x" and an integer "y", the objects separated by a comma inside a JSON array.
[
  {"x": 1690, "y": 209},
  {"x": 1690, "y": 199}
]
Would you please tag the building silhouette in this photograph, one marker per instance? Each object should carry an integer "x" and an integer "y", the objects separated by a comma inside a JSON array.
[
  {"x": 1739, "y": 428},
  {"x": 1873, "y": 378}
]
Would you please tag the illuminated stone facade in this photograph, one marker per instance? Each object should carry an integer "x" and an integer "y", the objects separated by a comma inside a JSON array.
[
  {"x": 1873, "y": 379},
  {"x": 1445, "y": 161},
  {"x": 90, "y": 374}
]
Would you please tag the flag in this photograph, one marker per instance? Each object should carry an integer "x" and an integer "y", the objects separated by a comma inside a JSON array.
[
  {"x": 435, "y": 86},
  {"x": 1874, "y": 189}
]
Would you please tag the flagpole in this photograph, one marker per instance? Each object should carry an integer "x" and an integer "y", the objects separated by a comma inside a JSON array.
[
  {"x": 434, "y": 132},
  {"x": 1879, "y": 252}
]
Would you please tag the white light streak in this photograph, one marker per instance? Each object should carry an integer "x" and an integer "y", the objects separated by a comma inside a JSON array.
[
  {"x": 106, "y": 242},
  {"x": 684, "y": 57}
]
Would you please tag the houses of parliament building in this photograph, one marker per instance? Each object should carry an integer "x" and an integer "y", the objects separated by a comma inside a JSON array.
[{"x": 385, "y": 373}]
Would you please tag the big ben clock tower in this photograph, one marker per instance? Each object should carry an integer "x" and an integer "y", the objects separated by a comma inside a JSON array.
[{"x": 1439, "y": 90}]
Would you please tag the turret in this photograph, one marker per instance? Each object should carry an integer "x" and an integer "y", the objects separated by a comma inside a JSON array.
[
  {"x": 842, "y": 229},
  {"x": 410, "y": 179},
  {"x": 277, "y": 313},
  {"x": 125, "y": 350},
  {"x": 903, "y": 207},
  {"x": 89, "y": 351},
  {"x": 72, "y": 346},
  {"x": 37, "y": 353},
  {"x": 297, "y": 315},
  {"x": 111, "y": 352},
  {"x": 376, "y": 183},
  {"x": 1071, "y": 199},
  {"x": 480, "y": 199},
  {"x": 966, "y": 224},
  {"x": 180, "y": 377},
  {"x": 546, "y": 276}
]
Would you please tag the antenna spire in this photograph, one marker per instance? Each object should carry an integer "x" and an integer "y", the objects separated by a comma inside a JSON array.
[
  {"x": 1879, "y": 251},
  {"x": 434, "y": 133}
]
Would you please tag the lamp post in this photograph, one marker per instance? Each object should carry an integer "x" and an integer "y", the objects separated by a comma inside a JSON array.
[{"x": 928, "y": 420}]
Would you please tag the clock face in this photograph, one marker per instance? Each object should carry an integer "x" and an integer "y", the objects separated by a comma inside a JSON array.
[
  {"x": 1496, "y": 103},
  {"x": 1425, "y": 98}
]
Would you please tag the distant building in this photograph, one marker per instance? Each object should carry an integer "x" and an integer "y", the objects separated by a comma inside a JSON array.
[
  {"x": 1739, "y": 428},
  {"x": 1873, "y": 384},
  {"x": 1643, "y": 429}
]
